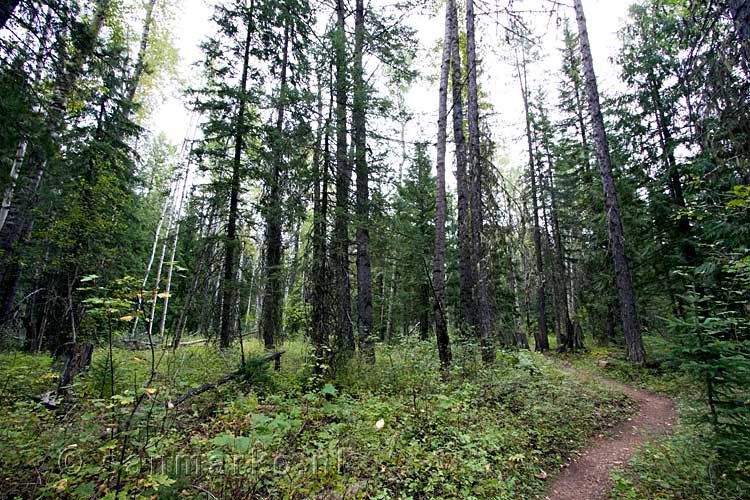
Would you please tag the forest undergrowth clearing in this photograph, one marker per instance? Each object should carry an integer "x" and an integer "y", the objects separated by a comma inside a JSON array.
[{"x": 393, "y": 430}]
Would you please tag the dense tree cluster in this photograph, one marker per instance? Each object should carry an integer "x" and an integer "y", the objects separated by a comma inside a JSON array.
[{"x": 295, "y": 211}]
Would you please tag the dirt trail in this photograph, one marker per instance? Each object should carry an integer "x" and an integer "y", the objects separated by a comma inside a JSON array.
[{"x": 587, "y": 478}]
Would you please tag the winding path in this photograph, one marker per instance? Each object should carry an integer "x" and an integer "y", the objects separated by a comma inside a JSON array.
[{"x": 587, "y": 478}]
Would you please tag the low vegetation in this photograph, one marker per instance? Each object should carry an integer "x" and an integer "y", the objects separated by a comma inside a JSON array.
[{"x": 392, "y": 430}]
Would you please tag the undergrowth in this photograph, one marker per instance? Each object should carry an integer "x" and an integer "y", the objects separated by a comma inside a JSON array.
[{"x": 392, "y": 430}]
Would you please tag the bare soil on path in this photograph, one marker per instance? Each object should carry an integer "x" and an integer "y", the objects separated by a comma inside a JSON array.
[{"x": 588, "y": 477}]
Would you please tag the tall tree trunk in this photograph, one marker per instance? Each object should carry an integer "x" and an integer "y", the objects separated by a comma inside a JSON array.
[
  {"x": 228, "y": 284},
  {"x": 391, "y": 299},
  {"x": 525, "y": 268},
  {"x": 438, "y": 270},
  {"x": 359, "y": 137},
  {"x": 628, "y": 313},
  {"x": 291, "y": 275},
  {"x": 140, "y": 65},
  {"x": 465, "y": 274},
  {"x": 424, "y": 310},
  {"x": 482, "y": 306},
  {"x": 271, "y": 323},
  {"x": 541, "y": 338},
  {"x": 345, "y": 331},
  {"x": 519, "y": 335},
  {"x": 159, "y": 269},
  {"x": 41, "y": 55},
  {"x": 666, "y": 141},
  {"x": 203, "y": 254},
  {"x": 319, "y": 317},
  {"x": 173, "y": 253},
  {"x": 561, "y": 275},
  {"x": 157, "y": 236},
  {"x": 8, "y": 193}
]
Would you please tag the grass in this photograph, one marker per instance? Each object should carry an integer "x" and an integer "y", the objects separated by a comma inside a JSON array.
[{"x": 392, "y": 430}]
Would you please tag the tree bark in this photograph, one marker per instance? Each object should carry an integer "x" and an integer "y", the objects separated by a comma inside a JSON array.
[
  {"x": 667, "y": 143},
  {"x": 173, "y": 253},
  {"x": 438, "y": 270},
  {"x": 345, "y": 331},
  {"x": 465, "y": 274},
  {"x": 271, "y": 323},
  {"x": 8, "y": 193},
  {"x": 359, "y": 133},
  {"x": 482, "y": 306},
  {"x": 628, "y": 313},
  {"x": 570, "y": 341}
]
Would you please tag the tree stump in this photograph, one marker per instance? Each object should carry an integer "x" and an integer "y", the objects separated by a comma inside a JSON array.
[{"x": 77, "y": 357}]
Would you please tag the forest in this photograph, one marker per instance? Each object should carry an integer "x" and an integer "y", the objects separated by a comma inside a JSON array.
[{"x": 403, "y": 249}]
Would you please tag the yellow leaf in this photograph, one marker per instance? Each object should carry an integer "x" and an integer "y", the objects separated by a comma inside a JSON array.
[
  {"x": 150, "y": 391},
  {"x": 164, "y": 295},
  {"x": 127, "y": 318}
]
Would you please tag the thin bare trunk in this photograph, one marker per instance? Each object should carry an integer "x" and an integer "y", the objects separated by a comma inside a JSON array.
[
  {"x": 519, "y": 335},
  {"x": 140, "y": 65},
  {"x": 8, "y": 194},
  {"x": 319, "y": 318},
  {"x": 157, "y": 236},
  {"x": 13, "y": 236},
  {"x": 172, "y": 255},
  {"x": 465, "y": 274},
  {"x": 438, "y": 270}
]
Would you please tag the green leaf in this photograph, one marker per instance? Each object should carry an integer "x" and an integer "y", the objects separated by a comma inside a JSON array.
[{"x": 329, "y": 390}]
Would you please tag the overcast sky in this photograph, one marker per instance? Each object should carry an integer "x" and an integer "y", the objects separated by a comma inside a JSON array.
[{"x": 497, "y": 79}]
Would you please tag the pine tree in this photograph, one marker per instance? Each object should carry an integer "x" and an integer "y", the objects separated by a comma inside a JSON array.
[{"x": 629, "y": 317}]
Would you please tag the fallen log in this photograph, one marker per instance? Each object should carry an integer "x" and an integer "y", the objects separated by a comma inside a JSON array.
[
  {"x": 223, "y": 380},
  {"x": 143, "y": 345},
  {"x": 193, "y": 342}
]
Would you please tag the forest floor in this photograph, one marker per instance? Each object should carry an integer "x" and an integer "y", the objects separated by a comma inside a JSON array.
[
  {"x": 528, "y": 427},
  {"x": 394, "y": 430},
  {"x": 589, "y": 477}
]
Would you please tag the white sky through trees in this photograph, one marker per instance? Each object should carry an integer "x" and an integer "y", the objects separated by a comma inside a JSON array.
[{"x": 497, "y": 77}]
